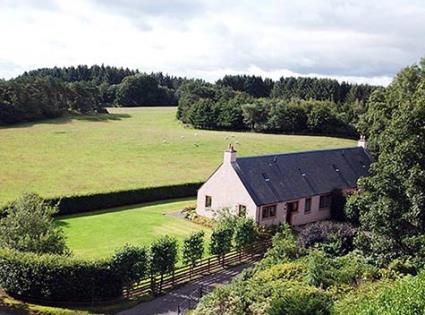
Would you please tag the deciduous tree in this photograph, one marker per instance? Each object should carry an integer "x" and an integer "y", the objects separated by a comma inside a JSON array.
[
  {"x": 28, "y": 226},
  {"x": 163, "y": 257}
]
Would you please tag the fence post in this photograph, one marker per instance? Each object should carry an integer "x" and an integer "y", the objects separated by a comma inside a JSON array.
[
  {"x": 153, "y": 285},
  {"x": 172, "y": 281},
  {"x": 209, "y": 267}
]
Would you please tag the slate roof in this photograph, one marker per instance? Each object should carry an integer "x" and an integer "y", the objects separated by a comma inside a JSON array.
[{"x": 282, "y": 177}]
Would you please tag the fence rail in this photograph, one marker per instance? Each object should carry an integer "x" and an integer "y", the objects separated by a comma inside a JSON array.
[{"x": 203, "y": 267}]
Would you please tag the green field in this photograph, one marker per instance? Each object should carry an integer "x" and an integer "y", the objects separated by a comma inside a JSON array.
[
  {"x": 129, "y": 148},
  {"x": 99, "y": 234}
]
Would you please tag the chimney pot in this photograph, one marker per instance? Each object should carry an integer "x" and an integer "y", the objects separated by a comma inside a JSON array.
[
  {"x": 362, "y": 142},
  {"x": 229, "y": 154}
]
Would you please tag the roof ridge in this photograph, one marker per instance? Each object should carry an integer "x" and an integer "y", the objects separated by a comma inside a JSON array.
[{"x": 298, "y": 152}]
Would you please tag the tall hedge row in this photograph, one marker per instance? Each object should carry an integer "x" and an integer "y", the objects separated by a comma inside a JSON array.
[
  {"x": 57, "y": 278},
  {"x": 98, "y": 201}
]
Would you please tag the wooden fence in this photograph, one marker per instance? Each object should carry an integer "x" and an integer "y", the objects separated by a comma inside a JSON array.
[{"x": 203, "y": 268}]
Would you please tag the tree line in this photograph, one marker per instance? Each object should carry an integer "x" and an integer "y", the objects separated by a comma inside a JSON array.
[
  {"x": 219, "y": 106},
  {"x": 298, "y": 87},
  {"x": 52, "y": 92}
]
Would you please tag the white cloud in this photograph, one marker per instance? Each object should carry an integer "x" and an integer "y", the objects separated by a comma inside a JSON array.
[{"x": 358, "y": 41}]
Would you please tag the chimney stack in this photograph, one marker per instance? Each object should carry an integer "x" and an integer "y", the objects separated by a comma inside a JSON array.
[
  {"x": 229, "y": 155},
  {"x": 362, "y": 142}
]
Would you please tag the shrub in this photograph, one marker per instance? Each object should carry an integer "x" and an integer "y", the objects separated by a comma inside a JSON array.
[
  {"x": 284, "y": 248},
  {"x": 351, "y": 269},
  {"x": 130, "y": 264},
  {"x": 295, "y": 270},
  {"x": 403, "y": 266},
  {"x": 333, "y": 237},
  {"x": 28, "y": 226},
  {"x": 320, "y": 270},
  {"x": 193, "y": 248},
  {"x": 245, "y": 233},
  {"x": 163, "y": 257},
  {"x": 221, "y": 242},
  {"x": 352, "y": 208},
  {"x": 57, "y": 278},
  {"x": 224, "y": 300},
  {"x": 190, "y": 214},
  {"x": 301, "y": 300},
  {"x": 261, "y": 297},
  {"x": 405, "y": 297}
]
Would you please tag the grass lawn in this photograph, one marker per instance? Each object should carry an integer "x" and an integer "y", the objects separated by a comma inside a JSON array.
[
  {"x": 99, "y": 234},
  {"x": 129, "y": 148}
]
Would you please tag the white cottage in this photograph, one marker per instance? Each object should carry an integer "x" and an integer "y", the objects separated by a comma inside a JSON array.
[{"x": 294, "y": 188}]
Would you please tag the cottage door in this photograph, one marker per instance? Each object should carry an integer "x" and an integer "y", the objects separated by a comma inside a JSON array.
[
  {"x": 291, "y": 207},
  {"x": 288, "y": 214}
]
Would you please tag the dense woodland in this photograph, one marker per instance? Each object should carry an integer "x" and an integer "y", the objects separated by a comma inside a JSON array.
[
  {"x": 49, "y": 93},
  {"x": 289, "y": 105},
  {"x": 235, "y": 102}
]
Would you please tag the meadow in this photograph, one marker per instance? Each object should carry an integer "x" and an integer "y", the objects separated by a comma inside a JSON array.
[
  {"x": 126, "y": 149},
  {"x": 101, "y": 233}
]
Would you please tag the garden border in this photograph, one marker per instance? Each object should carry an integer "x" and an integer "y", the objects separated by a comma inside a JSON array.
[{"x": 179, "y": 276}]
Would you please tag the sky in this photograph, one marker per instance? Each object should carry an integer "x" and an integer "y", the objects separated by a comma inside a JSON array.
[{"x": 362, "y": 41}]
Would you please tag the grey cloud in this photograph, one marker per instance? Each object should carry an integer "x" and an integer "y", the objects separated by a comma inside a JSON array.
[
  {"x": 352, "y": 38},
  {"x": 389, "y": 33},
  {"x": 360, "y": 38}
]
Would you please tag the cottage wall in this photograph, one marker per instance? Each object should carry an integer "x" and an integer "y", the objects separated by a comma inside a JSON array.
[
  {"x": 226, "y": 191},
  {"x": 299, "y": 217}
]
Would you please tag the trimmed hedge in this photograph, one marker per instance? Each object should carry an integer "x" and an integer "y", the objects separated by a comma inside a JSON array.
[
  {"x": 57, "y": 278},
  {"x": 99, "y": 201}
]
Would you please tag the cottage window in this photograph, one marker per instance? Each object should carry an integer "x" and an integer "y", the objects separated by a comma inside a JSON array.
[
  {"x": 269, "y": 211},
  {"x": 242, "y": 210},
  {"x": 325, "y": 201},
  {"x": 208, "y": 201},
  {"x": 307, "y": 205}
]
